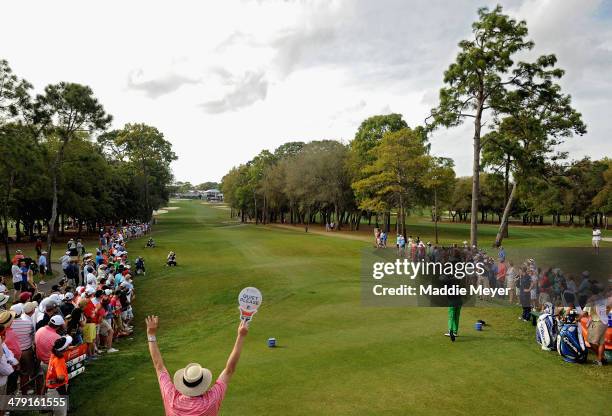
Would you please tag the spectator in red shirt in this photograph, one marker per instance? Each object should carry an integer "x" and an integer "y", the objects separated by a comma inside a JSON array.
[
  {"x": 545, "y": 286},
  {"x": 89, "y": 331},
  {"x": 18, "y": 257}
]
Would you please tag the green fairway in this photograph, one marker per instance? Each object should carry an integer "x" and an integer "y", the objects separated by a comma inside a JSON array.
[{"x": 335, "y": 357}]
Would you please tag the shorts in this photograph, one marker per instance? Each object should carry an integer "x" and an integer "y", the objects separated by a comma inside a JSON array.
[
  {"x": 89, "y": 333},
  {"x": 597, "y": 332},
  {"x": 27, "y": 362},
  {"x": 595, "y": 242},
  {"x": 105, "y": 328},
  {"x": 17, "y": 285},
  {"x": 127, "y": 315},
  {"x": 118, "y": 323}
]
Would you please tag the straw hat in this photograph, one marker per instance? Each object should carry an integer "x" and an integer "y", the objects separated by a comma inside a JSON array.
[
  {"x": 29, "y": 307},
  {"x": 193, "y": 380},
  {"x": 6, "y": 317}
]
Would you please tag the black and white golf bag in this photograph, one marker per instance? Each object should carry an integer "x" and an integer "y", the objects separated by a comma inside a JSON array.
[{"x": 546, "y": 331}]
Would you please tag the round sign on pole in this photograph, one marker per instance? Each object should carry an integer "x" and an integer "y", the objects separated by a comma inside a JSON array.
[{"x": 249, "y": 301}]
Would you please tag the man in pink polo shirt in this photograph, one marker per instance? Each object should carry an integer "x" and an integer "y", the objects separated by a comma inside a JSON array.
[
  {"x": 45, "y": 338},
  {"x": 189, "y": 395}
]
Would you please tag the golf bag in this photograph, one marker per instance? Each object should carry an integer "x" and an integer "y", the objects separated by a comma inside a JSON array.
[
  {"x": 546, "y": 332},
  {"x": 171, "y": 260},
  {"x": 570, "y": 344}
]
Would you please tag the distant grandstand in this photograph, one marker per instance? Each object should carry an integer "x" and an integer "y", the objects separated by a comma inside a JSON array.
[{"x": 212, "y": 195}]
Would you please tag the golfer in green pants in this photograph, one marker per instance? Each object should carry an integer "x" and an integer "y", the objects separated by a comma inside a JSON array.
[
  {"x": 454, "y": 311},
  {"x": 453, "y": 320}
]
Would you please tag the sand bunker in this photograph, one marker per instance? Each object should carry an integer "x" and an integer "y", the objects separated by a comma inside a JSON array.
[{"x": 164, "y": 210}]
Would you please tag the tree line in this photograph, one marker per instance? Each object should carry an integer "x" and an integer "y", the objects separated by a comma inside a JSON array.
[
  {"x": 329, "y": 181},
  {"x": 61, "y": 163},
  {"x": 520, "y": 116}
]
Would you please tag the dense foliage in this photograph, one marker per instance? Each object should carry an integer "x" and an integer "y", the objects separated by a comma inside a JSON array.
[{"x": 59, "y": 164}]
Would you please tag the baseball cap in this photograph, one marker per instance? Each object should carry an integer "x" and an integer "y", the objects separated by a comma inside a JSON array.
[
  {"x": 62, "y": 343},
  {"x": 90, "y": 290},
  {"x": 25, "y": 296},
  {"x": 57, "y": 320},
  {"x": 17, "y": 308},
  {"x": 69, "y": 296}
]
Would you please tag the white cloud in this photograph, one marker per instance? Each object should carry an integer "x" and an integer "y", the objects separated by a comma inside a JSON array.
[
  {"x": 251, "y": 88},
  {"x": 157, "y": 87}
]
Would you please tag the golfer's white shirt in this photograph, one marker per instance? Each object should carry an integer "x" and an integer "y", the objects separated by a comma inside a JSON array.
[{"x": 597, "y": 235}]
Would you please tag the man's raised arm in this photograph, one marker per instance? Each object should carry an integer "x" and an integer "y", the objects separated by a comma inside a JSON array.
[
  {"x": 158, "y": 362},
  {"x": 232, "y": 361}
]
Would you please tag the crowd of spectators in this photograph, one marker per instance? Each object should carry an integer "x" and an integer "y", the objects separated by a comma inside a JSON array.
[{"x": 91, "y": 305}]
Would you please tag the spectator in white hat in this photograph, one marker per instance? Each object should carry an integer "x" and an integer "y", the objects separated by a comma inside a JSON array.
[
  {"x": 67, "y": 306},
  {"x": 65, "y": 261},
  {"x": 31, "y": 310},
  {"x": 190, "y": 394},
  {"x": 50, "y": 307},
  {"x": 44, "y": 339}
]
